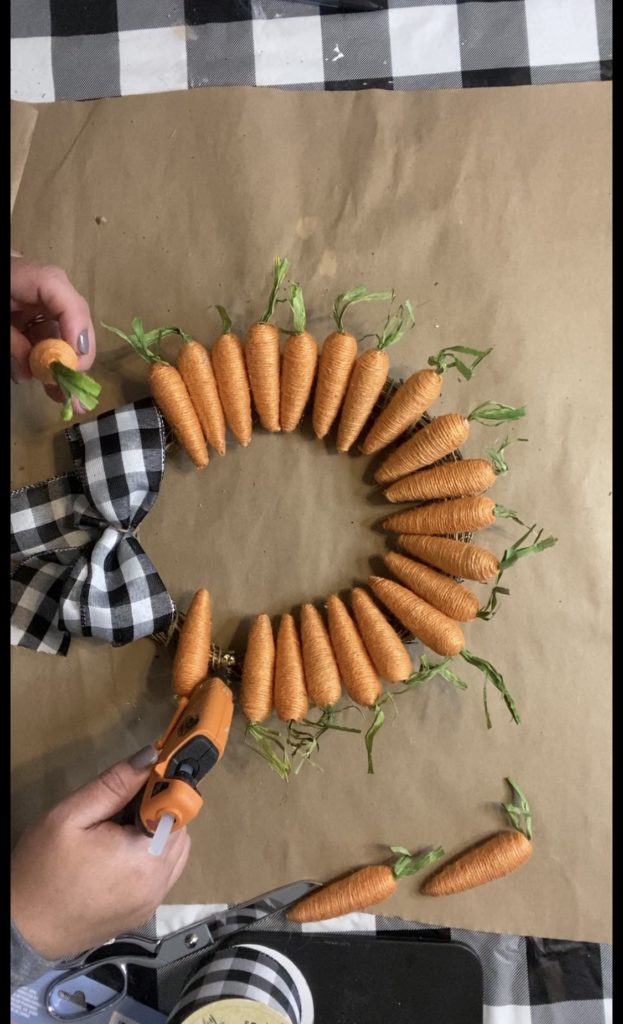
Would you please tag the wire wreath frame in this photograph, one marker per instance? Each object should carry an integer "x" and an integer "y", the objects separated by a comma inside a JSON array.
[{"x": 229, "y": 662}]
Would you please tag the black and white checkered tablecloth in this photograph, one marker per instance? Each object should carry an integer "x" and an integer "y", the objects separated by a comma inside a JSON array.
[{"x": 87, "y": 49}]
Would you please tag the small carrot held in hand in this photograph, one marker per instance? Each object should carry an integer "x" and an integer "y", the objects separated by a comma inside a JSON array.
[
  {"x": 360, "y": 889},
  {"x": 54, "y": 361},
  {"x": 358, "y": 673},
  {"x": 415, "y": 395},
  {"x": 291, "y": 702},
  {"x": 256, "y": 692},
  {"x": 298, "y": 368},
  {"x": 192, "y": 656},
  {"x": 337, "y": 358},
  {"x": 195, "y": 366},
  {"x": 368, "y": 378},
  {"x": 169, "y": 391},
  {"x": 451, "y": 479},
  {"x": 459, "y": 515},
  {"x": 232, "y": 381},
  {"x": 390, "y": 657},
  {"x": 322, "y": 675},
  {"x": 494, "y": 858},
  {"x": 441, "y": 437},
  {"x": 262, "y": 356},
  {"x": 449, "y": 597}
]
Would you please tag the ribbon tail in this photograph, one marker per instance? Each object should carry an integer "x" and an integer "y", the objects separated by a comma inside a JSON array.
[{"x": 36, "y": 588}]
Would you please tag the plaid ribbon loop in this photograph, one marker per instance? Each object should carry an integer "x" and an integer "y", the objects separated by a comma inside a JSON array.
[{"x": 80, "y": 568}]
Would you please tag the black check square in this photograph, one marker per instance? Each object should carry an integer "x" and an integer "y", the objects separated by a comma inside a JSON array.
[
  {"x": 493, "y": 35},
  {"x": 202, "y": 12},
  {"x": 83, "y": 18},
  {"x": 495, "y": 76},
  {"x": 559, "y": 970}
]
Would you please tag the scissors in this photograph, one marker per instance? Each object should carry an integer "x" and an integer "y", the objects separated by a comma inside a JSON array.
[{"x": 78, "y": 993}]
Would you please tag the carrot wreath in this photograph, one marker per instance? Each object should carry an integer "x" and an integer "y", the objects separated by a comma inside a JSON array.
[
  {"x": 291, "y": 702},
  {"x": 337, "y": 358},
  {"x": 389, "y": 655},
  {"x": 361, "y": 888},
  {"x": 452, "y": 479},
  {"x": 168, "y": 389},
  {"x": 441, "y": 437},
  {"x": 232, "y": 381},
  {"x": 453, "y": 599},
  {"x": 459, "y": 515},
  {"x": 368, "y": 377},
  {"x": 322, "y": 675},
  {"x": 298, "y": 368},
  {"x": 195, "y": 366},
  {"x": 358, "y": 673},
  {"x": 262, "y": 356},
  {"x": 442, "y": 634},
  {"x": 494, "y": 858},
  {"x": 415, "y": 395},
  {"x": 53, "y": 361},
  {"x": 192, "y": 656}
]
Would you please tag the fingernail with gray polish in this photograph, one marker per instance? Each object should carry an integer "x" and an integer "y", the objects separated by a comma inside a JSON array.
[
  {"x": 15, "y": 374},
  {"x": 83, "y": 343},
  {"x": 144, "y": 758}
]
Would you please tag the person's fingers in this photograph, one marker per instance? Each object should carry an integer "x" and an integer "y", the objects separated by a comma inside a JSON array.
[
  {"x": 181, "y": 861},
  {"x": 108, "y": 794},
  {"x": 49, "y": 289},
  {"x": 20, "y": 354}
]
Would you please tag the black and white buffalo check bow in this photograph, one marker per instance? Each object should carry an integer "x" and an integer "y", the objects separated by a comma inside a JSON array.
[{"x": 80, "y": 569}]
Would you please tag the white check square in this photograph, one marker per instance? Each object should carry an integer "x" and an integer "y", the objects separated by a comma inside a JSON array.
[
  {"x": 31, "y": 70},
  {"x": 288, "y": 51},
  {"x": 561, "y": 33},
  {"x": 424, "y": 40},
  {"x": 152, "y": 60}
]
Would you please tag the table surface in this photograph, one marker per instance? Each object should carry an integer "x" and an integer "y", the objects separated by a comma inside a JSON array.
[
  {"x": 75, "y": 50},
  {"x": 86, "y": 50}
]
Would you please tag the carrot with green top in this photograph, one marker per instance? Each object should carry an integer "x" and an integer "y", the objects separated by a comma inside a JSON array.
[
  {"x": 337, "y": 358},
  {"x": 494, "y": 858},
  {"x": 416, "y": 394},
  {"x": 453, "y": 599},
  {"x": 439, "y": 632},
  {"x": 232, "y": 381},
  {"x": 459, "y": 515},
  {"x": 452, "y": 479},
  {"x": 369, "y": 376},
  {"x": 298, "y": 368},
  {"x": 360, "y": 889},
  {"x": 441, "y": 437},
  {"x": 262, "y": 356},
  {"x": 195, "y": 367},
  {"x": 54, "y": 361},
  {"x": 168, "y": 389},
  {"x": 389, "y": 655},
  {"x": 466, "y": 561}
]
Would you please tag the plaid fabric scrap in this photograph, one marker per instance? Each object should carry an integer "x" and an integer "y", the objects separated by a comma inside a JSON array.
[{"x": 80, "y": 569}]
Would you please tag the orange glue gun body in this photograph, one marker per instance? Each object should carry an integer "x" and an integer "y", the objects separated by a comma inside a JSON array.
[{"x": 192, "y": 744}]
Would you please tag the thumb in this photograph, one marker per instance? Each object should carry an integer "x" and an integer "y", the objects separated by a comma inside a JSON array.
[{"x": 111, "y": 791}]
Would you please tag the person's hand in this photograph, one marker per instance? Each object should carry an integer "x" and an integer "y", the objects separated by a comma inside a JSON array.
[
  {"x": 78, "y": 879},
  {"x": 45, "y": 292}
]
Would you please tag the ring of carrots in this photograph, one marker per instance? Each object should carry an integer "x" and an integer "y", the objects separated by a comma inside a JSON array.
[{"x": 304, "y": 660}]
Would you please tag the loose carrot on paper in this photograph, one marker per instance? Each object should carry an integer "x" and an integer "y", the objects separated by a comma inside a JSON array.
[
  {"x": 442, "y": 634},
  {"x": 360, "y": 889},
  {"x": 298, "y": 368},
  {"x": 494, "y": 858},
  {"x": 337, "y": 358},
  {"x": 449, "y": 597},
  {"x": 415, "y": 395},
  {"x": 369, "y": 376},
  {"x": 231, "y": 378},
  {"x": 452, "y": 479},
  {"x": 54, "y": 361},
  {"x": 322, "y": 675},
  {"x": 195, "y": 366},
  {"x": 262, "y": 355},
  {"x": 459, "y": 515},
  {"x": 389, "y": 655},
  {"x": 358, "y": 673},
  {"x": 192, "y": 656},
  {"x": 169, "y": 390},
  {"x": 291, "y": 701},
  {"x": 441, "y": 437}
]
